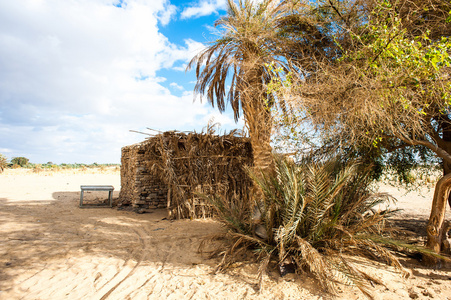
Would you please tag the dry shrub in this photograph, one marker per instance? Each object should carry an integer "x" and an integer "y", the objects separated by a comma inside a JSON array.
[
  {"x": 310, "y": 217},
  {"x": 3, "y": 163},
  {"x": 37, "y": 168}
]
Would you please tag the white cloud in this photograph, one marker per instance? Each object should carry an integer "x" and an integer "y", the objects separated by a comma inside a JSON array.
[
  {"x": 175, "y": 53},
  {"x": 166, "y": 15},
  {"x": 203, "y": 8},
  {"x": 176, "y": 86},
  {"x": 180, "y": 68},
  {"x": 76, "y": 76}
]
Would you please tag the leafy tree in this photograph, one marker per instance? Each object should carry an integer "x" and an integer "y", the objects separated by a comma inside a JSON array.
[
  {"x": 256, "y": 37},
  {"x": 20, "y": 161},
  {"x": 389, "y": 88}
]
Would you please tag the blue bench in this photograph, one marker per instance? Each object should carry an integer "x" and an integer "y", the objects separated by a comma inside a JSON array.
[{"x": 107, "y": 188}]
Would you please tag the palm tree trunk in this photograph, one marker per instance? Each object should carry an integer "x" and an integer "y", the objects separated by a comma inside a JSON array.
[
  {"x": 259, "y": 124},
  {"x": 258, "y": 121},
  {"x": 260, "y": 135}
]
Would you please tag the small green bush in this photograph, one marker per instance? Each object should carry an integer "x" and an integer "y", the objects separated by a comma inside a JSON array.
[{"x": 21, "y": 161}]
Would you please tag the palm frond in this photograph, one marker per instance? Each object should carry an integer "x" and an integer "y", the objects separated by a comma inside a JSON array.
[
  {"x": 313, "y": 214},
  {"x": 316, "y": 263}
]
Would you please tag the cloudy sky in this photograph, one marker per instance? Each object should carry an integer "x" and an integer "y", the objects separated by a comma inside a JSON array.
[{"x": 77, "y": 75}]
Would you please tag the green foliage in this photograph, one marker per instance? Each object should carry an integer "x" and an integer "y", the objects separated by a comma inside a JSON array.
[
  {"x": 385, "y": 97},
  {"x": 411, "y": 72},
  {"x": 312, "y": 214},
  {"x": 20, "y": 161},
  {"x": 414, "y": 88},
  {"x": 390, "y": 53},
  {"x": 404, "y": 161}
]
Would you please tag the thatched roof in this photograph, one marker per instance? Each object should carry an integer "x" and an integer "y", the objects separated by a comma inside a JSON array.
[{"x": 193, "y": 164}]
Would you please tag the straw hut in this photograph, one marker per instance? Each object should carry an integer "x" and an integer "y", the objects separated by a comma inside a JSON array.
[{"x": 178, "y": 170}]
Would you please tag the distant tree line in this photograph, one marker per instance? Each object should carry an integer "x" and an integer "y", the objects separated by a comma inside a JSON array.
[{"x": 23, "y": 162}]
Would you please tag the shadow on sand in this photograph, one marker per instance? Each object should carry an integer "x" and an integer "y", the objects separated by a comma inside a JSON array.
[{"x": 40, "y": 232}]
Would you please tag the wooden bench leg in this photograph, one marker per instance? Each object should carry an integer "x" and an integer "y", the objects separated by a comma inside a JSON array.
[{"x": 81, "y": 198}]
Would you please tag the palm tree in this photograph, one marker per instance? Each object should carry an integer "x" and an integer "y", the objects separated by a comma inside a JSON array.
[
  {"x": 259, "y": 37},
  {"x": 250, "y": 46}
]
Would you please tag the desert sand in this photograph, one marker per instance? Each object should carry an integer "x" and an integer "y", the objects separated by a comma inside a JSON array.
[{"x": 52, "y": 249}]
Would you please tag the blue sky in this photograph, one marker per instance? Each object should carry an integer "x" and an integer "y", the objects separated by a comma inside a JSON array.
[{"x": 76, "y": 76}]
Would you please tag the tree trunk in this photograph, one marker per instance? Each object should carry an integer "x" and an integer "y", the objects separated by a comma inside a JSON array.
[
  {"x": 260, "y": 135},
  {"x": 446, "y": 171},
  {"x": 257, "y": 116},
  {"x": 258, "y": 119},
  {"x": 436, "y": 220},
  {"x": 446, "y": 137}
]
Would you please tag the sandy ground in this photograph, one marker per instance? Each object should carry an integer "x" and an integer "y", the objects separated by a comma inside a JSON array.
[{"x": 51, "y": 249}]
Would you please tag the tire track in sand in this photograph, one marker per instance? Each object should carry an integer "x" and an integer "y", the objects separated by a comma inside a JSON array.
[{"x": 126, "y": 272}]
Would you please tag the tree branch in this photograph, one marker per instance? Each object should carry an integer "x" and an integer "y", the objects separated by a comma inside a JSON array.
[{"x": 435, "y": 148}]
